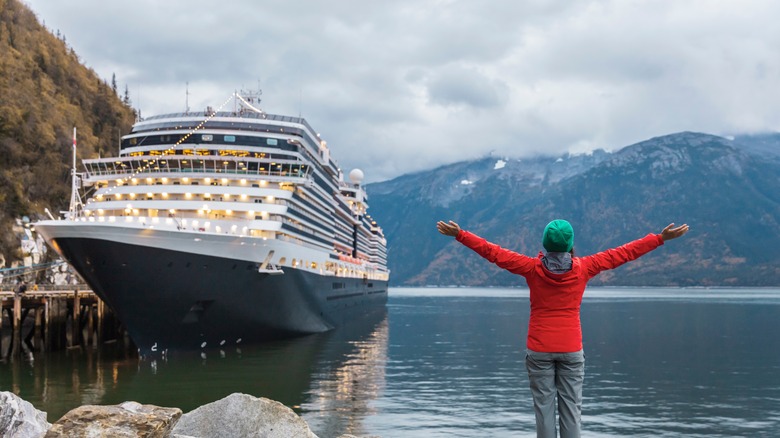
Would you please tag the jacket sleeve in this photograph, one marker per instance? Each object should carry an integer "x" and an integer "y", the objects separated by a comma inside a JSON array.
[
  {"x": 612, "y": 258},
  {"x": 501, "y": 257}
]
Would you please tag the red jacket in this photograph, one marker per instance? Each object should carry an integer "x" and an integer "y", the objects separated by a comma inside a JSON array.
[{"x": 554, "y": 326}]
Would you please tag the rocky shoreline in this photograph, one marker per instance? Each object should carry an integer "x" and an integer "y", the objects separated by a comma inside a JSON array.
[{"x": 237, "y": 415}]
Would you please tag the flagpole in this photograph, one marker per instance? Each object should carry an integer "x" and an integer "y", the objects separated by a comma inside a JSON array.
[{"x": 74, "y": 185}]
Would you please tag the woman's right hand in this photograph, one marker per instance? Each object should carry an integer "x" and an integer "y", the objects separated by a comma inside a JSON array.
[{"x": 448, "y": 229}]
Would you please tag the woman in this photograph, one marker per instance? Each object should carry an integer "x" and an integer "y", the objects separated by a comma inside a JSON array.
[{"x": 557, "y": 280}]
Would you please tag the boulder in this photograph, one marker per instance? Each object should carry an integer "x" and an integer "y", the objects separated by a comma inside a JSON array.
[
  {"x": 129, "y": 419},
  {"x": 245, "y": 416},
  {"x": 19, "y": 418}
]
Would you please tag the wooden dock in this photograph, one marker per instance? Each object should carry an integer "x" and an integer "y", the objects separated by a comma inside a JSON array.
[{"x": 47, "y": 318}]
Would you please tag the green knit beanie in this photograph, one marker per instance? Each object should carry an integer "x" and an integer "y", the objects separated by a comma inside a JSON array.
[{"x": 558, "y": 236}]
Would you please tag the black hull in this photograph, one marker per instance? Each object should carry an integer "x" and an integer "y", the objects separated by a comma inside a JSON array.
[{"x": 173, "y": 300}]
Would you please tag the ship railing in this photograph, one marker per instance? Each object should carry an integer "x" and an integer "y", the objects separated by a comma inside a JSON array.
[
  {"x": 298, "y": 241},
  {"x": 93, "y": 174}
]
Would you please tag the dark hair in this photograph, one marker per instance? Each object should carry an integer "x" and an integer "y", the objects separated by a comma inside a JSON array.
[{"x": 572, "y": 251}]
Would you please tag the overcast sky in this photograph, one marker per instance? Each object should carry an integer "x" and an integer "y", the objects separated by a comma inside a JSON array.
[{"x": 406, "y": 85}]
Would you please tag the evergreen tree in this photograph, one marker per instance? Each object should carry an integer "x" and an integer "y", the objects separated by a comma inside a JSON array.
[
  {"x": 113, "y": 82},
  {"x": 126, "y": 99}
]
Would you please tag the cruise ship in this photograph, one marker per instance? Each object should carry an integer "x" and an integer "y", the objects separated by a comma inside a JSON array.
[{"x": 217, "y": 228}]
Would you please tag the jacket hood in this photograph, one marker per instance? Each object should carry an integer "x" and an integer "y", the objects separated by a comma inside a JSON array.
[{"x": 557, "y": 268}]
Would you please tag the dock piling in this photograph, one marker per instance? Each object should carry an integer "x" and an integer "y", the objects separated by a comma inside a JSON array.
[{"x": 44, "y": 315}]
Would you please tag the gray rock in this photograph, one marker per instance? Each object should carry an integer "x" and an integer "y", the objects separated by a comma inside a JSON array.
[
  {"x": 19, "y": 418},
  {"x": 245, "y": 416},
  {"x": 129, "y": 419}
]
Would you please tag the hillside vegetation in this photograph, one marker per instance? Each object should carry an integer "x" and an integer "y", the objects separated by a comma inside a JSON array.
[{"x": 44, "y": 92}]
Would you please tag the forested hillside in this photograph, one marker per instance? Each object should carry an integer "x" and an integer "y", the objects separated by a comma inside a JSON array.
[{"x": 45, "y": 91}]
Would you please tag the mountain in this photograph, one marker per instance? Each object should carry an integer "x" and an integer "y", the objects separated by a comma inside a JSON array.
[
  {"x": 44, "y": 92},
  {"x": 727, "y": 190}
]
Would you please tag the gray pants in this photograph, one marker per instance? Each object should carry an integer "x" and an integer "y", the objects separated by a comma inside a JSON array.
[{"x": 560, "y": 374}]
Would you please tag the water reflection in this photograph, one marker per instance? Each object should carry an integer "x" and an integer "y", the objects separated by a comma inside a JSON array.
[
  {"x": 345, "y": 387},
  {"x": 339, "y": 372}
]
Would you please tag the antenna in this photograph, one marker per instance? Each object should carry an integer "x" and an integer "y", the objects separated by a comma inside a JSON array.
[{"x": 187, "y": 98}]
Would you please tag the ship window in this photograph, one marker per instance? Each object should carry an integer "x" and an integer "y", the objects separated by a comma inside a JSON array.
[
  {"x": 283, "y": 260},
  {"x": 230, "y": 138},
  {"x": 271, "y": 141},
  {"x": 207, "y": 137}
]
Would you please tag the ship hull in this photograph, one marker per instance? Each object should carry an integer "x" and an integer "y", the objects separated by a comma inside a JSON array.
[{"x": 176, "y": 300}]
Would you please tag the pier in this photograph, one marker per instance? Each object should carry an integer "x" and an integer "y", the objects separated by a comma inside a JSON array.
[{"x": 54, "y": 317}]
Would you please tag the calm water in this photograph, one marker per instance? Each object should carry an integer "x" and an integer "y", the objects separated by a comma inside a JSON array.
[{"x": 449, "y": 363}]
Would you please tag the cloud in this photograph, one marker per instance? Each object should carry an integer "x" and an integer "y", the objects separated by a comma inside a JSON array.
[
  {"x": 402, "y": 86},
  {"x": 458, "y": 86}
]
